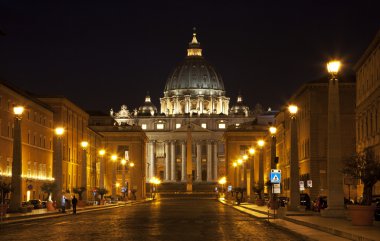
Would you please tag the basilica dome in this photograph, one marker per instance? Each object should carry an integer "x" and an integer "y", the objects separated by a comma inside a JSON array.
[
  {"x": 194, "y": 75},
  {"x": 194, "y": 87}
]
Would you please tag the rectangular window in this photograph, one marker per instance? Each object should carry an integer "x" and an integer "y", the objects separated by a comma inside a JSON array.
[
  {"x": 178, "y": 125},
  {"x": 143, "y": 126},
  {"x": 222, "y": 126},
  {"x": 160, "y": 126},
  {"x": 204, "y": 125}
]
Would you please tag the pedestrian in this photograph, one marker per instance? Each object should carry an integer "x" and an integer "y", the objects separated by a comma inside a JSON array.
[{"x": 74, "y": 202}]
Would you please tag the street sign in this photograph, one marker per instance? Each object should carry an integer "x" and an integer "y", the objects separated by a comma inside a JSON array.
[
  {"x": 276, "y": 188},
  {"x": 275, "y": 176},
  {"x": 302, "y": 186},
  {"x": 309, "y": 183}
]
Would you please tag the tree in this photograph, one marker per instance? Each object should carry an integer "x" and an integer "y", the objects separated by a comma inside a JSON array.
[
  {"x": 79, "y": 191},
  {"x": 102, "y": 192},
  {"x": 365, "y": 167},
  {"x": 49, "y": 188}
]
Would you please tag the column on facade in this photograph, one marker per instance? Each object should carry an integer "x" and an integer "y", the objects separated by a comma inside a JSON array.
[
  {"x": 152, "y": 158},
  {"x": 183, "y": 155},
  {"x": 173, "y": 161},
  {"x": 187, "y": 103},
  {"x": 215, "y": 161},
  {"x": 199, "y": 162},
  {"x": 201, "y": 107},
  {"x": 211, "y": 104},
  {"x": 209, "y": 161},
  {"x": 167, "y": 161},
  {"x": 219, "y": 105},
  {"x": 163, "y": 105},
  {"x": 84, "y": 173}
]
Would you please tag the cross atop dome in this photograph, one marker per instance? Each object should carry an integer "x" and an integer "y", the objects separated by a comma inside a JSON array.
[{"x": 194, "y": 46}]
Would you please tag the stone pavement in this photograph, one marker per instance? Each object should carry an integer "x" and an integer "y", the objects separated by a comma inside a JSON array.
[
  {"x": 310, "y": 225},
  {"x": 43, "y": 213}
]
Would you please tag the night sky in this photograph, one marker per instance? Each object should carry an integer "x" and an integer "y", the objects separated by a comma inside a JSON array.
[{"x": 101, "y": 54}]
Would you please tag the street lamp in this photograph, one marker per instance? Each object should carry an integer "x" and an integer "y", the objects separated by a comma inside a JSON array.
[
  {"x": 294, "y": 198},
  {"x": 251, "y": 152},
  {"x": 123, "y": 162},
  {"x": 261, "y": 144},
  {"x": 154, "y": 181},
  {"x": 131, "y": 165},
  {"x": 16, "y": 197},
  {"x": 335, "y": 194},
  {"x": 114, "y": 159},
  {"x": 222, "y": 181},
  {"x": 84, "y": 145},
  {"x": 272, "y": 131},
  {"x": 58, "y": 160},
  {"x": 102, "y": 152}
]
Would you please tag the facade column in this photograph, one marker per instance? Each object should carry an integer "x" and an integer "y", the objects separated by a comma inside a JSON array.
[
  {"x": 209, "y": 161},
  {"x": 215, "y": 166},
  {"x": 173, "y": 162},
  {"x": 101, "y": 171},
  {"x": 167, "y": 161},
  {"x": 187, "y": 103},
  {"x": 261, "y": 167},
  {"x": 201, "y": 107},
  {"x": 199, "y": 162},
  {"x": 251, "y": 177},
  {"x": 183, "y": 154}
]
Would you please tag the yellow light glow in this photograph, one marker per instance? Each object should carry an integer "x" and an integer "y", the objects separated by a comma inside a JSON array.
[
  {"x": 155, "y": 180},
  {"x": 251, "y": 151},
  {"x": 131, "y": 164},
  {"x": 239, "y": 161},
  {"x": 245, "y": 157},
  {"x": 123, "y": 162},
  {"x": 222, "y": 181},
  {"x": 18, "y": 110},
  {"x": 59, "y": 131},
  {"x": 102, "y": 152},
  {"x": 114, "y": 158},
  {"x": 272, "y": 130},
  {"x": 293, "y": 109},
  {"x": 234, "y": 164},
  {"x": 117, "y": 184},
  {"x": 333, "y": 67},
  {"x": 84, "y": 144},
  {"x": 260, "y": 143}
]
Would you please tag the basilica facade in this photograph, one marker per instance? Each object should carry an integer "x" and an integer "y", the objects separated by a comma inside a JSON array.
[{"x": 194, "y": 108}]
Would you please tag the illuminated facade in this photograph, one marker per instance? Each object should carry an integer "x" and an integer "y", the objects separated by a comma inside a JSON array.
[
  {"x": 368, "y": 102},
  {"x": 36, "y": 139},
  {"x": 311, "y": 121},
  {"x": 194, "y": 101}
]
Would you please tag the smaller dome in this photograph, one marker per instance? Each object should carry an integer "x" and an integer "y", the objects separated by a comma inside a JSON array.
[
  {"x": 148, "y": 108},
  {"x": 239, "y": 108}
]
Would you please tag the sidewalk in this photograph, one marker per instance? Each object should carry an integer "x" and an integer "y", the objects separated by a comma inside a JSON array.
[
  {"x": 43, "y": 213},
  {"x": 311, "y": 226}
]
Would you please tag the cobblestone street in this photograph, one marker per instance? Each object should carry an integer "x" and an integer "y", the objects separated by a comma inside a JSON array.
[{"x": 159, "y": 220}]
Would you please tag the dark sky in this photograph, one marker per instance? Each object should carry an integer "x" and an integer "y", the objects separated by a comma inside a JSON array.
[{"x": 102, "y": 54}]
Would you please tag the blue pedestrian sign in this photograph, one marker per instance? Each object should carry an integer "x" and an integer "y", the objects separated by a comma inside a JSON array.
[{"x": 275, "y": 176}]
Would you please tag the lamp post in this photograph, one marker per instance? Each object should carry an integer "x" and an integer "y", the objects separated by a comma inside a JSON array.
[
  {"x": 102, "y": 152},
  {"x": 154, "y": 181},
  {"x": 335, "y": 195},
  {"x": 15, "y": 202},
  {"x": 272, "y": 131},
  {"x": 84, "y": 145},
  {"x": 114, "y": 158},
  {"x": 251, "y": 152},
  {"x": 294, "y": 165},
  {"x": 131, "y": 165},
  {"x": 234, "y": 164},
  {"x": 123, "y": 162},
  {"x": 222, "y": 181},
  {"x": 57, "y": 163},
  {"x": 261, "y": 144}
]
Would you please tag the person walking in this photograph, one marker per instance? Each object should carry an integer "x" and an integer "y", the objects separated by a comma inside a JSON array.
[{"x": 74, "y": 202}]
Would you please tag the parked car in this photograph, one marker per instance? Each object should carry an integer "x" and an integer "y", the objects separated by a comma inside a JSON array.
[
  {"x": 305, "y": 200},
  {"x": 36, "y": 203},
  {"x": 44, "y": 204},
  {"x": 377, "y": 211},
  {"x": 283, "y": 201}
]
